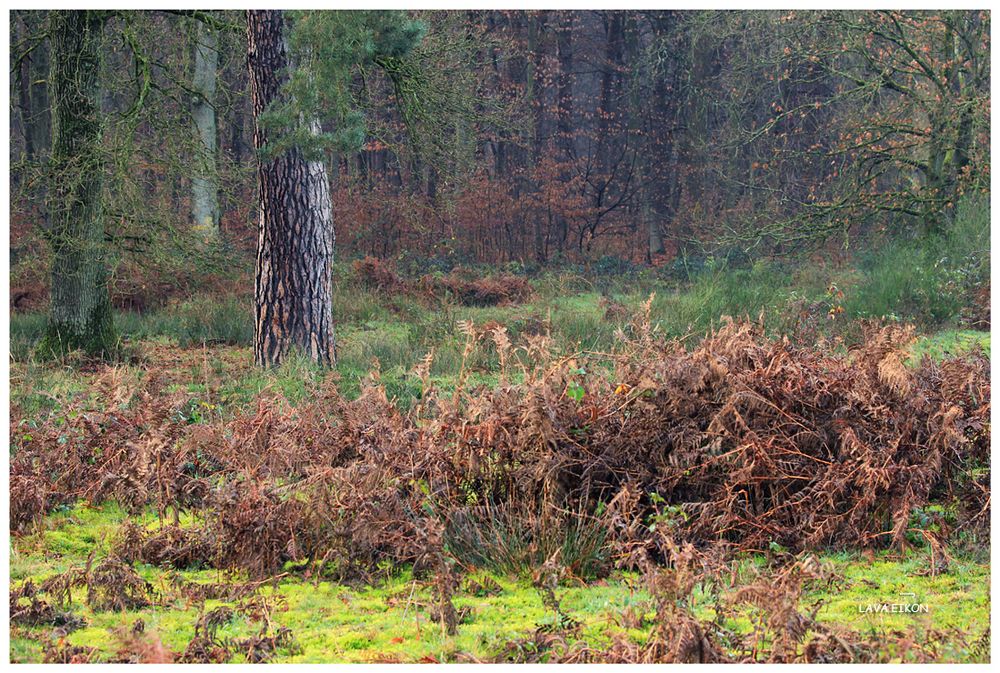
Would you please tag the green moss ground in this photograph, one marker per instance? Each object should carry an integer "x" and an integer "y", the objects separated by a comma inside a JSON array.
[{"x": 391, "y": 622}]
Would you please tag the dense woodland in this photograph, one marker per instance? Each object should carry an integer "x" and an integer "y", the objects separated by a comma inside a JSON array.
[{"x": 527, "y": 137}]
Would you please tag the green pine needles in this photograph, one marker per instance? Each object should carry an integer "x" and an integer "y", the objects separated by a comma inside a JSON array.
[{"x": 328, "y": 52}]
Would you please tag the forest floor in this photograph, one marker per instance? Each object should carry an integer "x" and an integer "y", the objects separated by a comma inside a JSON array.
[
  {"x": 502, "y": 615},
  {"x": 391, "y": 620}
]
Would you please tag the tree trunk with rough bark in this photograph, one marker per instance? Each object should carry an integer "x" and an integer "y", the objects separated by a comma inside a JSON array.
[
  {"x": 295, "y": 244},
  {"x": 80, "y": 308},
  {"x": 205, "y": 212}
]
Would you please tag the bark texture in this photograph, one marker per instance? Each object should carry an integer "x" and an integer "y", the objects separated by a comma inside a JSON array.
[
  {"x": 80, "y": 307},
  {"x": 204, "y": 185},
  {"x": 295, "y": 244}
]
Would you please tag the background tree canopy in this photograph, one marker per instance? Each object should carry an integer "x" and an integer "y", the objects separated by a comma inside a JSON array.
[{"x": 535, "y": 139}]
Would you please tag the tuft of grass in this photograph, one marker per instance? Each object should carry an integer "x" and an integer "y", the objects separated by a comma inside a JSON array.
[
  {"x": 202, "y": 320},
  {"x": 292, "y": 379},
  {"x": 719, "y": 290},
  {"x": 42, "y": 387},
  {"x": 394, "y": 344},
  {"x": 929, "y": 280},
  {"x": 577, "y": 322},
  {"x": 26, "y": 329},
  {"x": 516, "y": 541},
  {"x": 355, "y": 303}
]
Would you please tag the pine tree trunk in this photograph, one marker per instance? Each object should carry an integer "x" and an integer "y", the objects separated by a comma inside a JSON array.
[
  {"x": 205, "y": 212},
  {"x": 80, "y": 308},
  {"x": 295, "y": 245}
]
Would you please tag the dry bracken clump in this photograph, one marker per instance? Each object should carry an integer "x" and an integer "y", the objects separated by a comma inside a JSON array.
[{"x": 743, "y": 440}]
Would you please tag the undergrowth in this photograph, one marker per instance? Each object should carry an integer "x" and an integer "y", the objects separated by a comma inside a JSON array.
[
  {"x": 566, "y": 468},
  {"x": 492, "y": 458}
]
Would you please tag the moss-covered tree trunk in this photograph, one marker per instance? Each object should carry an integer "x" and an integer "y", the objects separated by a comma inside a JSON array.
[
  {"x": 80, "y": 308},
  {"x": 295, "y": 245}
]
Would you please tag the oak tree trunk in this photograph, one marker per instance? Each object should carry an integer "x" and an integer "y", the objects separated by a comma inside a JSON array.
[
  {"x": 295, "y": 244},
  {"x": 80, "y": 309}
]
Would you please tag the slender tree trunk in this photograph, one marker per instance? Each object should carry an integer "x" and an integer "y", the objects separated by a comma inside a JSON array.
[
  {"x": 936, "y": 173},
  {"x": 234, "y": 120},
  {"x": 536, "y": 93},
  {"x": 295, "y": 245},
  {"x": 24, "y": 94},
  {"x": 80, "y": 309},
  {"x": 608, "y": 115},
  {"x": 567, "y": 139},
  {"x": 205, "y": 213},
  {"x": 655, "y": 235},
  {"x": 36, "y": 121},
  {"x": 34, "y": 75},
  {"x": 697, "y": 134},
  {"x": 564, "y": 46}
]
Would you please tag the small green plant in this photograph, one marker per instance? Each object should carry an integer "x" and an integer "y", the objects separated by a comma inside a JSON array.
[
  {"x": 666, "y": 517},
  {"x": 934, "y": 518}
]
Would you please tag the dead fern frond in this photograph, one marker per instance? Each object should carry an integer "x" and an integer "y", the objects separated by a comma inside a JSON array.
[{"x": 503, "y": 345}]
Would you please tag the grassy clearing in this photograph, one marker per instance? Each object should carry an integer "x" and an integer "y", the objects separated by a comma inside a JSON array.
[{"x": 391, "y": 620}]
